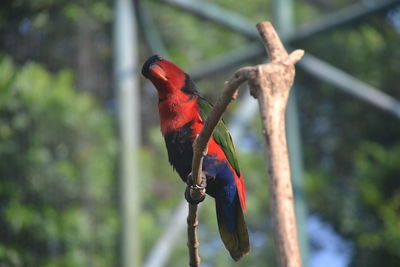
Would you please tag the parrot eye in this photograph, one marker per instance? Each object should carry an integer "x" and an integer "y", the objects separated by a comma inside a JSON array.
[{"x": 157, "y": 72}]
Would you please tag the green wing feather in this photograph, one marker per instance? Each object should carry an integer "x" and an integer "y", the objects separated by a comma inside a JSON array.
[{"x": 221, "y": 135}]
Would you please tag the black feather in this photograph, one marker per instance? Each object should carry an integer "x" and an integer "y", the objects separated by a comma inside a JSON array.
[
  {"x": 146, "y": 65},
  {"x": 189, "y": 87},
  {"x": 180, "y": 151}
]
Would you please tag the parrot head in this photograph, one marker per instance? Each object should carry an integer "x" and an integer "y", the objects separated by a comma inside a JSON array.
[{"x": 167, "y": 77}]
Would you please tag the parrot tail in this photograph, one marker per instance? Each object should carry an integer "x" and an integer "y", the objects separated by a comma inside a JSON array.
[{"x": 233, "y": 229}]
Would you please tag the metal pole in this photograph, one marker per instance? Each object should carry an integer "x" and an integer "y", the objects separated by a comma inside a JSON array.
[
  {"x": 235, "y": 22},
  {"x": 347, "y": 16},
  {"x": 149, "y": 30},
  {"x": 284, "y": 23},
  {"x": 125, "y": 53},
  {"x": 215, "y": 13},
  {"x": 350, "y": 85},
  {"x": 161, "y": 252}
]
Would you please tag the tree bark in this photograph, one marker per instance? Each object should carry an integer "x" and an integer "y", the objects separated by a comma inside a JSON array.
[{"x": 272, "y": 89}]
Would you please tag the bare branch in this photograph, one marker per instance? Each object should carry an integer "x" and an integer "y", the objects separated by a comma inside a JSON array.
[
  {"x": 294, "y": 57},
  {"x": 193, "y": 241},
  {"x": 273, "y": 45},
  {"x": 200, "y": 150},
  {"x": 275, "y": 81},
  {"x": 201, "y": 142},
  {"x": 271, "y": 84}
]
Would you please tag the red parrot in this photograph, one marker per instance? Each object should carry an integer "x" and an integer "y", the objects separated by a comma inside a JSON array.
[{"x": 182, "y": 114}]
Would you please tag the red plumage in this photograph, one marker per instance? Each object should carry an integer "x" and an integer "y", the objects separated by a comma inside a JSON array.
[{"x": 181, "y": 121}]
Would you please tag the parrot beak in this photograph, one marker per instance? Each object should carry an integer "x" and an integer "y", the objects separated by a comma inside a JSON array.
[{"x": 158, "y": 72}]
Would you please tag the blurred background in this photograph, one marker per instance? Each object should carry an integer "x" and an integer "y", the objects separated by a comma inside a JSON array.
[{"x": 84, "y": 175}]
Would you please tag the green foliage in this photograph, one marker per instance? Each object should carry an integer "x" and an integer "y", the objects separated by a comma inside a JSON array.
[
  {"x": 378, "y": 198},
  {"x": 370, "y": 204},
  {"x": 351, "y": 148},
  {"x": 57, "y": 156},
  {"x": 174, "y": 22},
  {"x": 61, "y": 34}
]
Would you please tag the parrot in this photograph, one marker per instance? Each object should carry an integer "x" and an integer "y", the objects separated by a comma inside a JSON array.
[{"x": 182, "y": 112}]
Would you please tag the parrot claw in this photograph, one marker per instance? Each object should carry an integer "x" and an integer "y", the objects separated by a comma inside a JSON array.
[
  {"x": 189, "y": 199},
  {"x": 194, "y": 187}
]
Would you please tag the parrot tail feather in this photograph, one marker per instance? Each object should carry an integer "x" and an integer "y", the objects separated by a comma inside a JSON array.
[{"x": 236, "y": 241}]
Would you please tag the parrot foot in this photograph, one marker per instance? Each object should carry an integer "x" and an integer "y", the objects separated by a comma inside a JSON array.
[
  {"x": 194, "y": 194},
  {"x": 189, "y": 198}
]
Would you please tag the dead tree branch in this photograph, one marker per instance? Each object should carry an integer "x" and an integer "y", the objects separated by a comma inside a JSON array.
[
  {"x": 272, "y": 87},
  {"x": 270, "y": 84}
]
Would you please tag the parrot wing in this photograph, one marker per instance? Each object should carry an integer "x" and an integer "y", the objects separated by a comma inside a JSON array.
[{"x": 221, "y": 135}]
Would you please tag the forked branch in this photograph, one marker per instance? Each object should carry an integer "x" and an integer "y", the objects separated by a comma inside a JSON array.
[{"x": 270, "y": 84}]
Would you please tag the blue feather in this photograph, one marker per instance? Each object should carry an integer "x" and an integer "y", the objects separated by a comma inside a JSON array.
[{"x": 223, "y": 189}]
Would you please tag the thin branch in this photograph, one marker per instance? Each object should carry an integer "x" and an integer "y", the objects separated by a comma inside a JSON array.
[
  {"x": 200, "y": 150},
  {"x": 193, "y": 241},
  {"x": 201, "y": 142}
]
